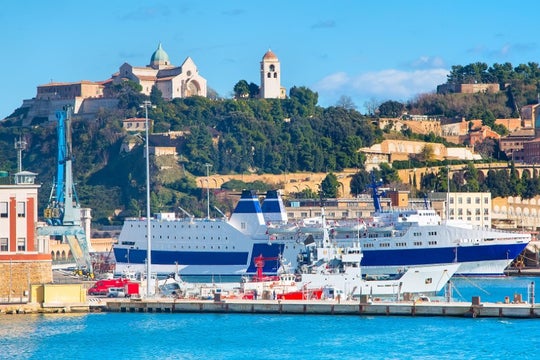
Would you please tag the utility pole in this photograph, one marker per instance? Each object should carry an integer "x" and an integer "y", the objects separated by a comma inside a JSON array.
[
  {"x": 145, "y": 105},
  {"x": 208, "y": 166}
]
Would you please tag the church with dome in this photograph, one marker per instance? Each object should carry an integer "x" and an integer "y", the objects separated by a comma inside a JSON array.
[{"x": 173, "y": 81}]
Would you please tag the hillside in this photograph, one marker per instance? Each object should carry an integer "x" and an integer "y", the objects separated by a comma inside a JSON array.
[{"x": 245, "y": 136}]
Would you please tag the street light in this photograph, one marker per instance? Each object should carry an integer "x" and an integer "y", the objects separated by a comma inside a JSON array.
[
  {"x": 208, "y": 166},
  {"x": 145, "y": 105}
]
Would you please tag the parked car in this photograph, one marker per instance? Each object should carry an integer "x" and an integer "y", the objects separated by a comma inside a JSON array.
[{"x": 115, "y": 292}]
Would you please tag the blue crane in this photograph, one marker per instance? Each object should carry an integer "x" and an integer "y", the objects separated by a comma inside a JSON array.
[{"x": 63, "y": 212}]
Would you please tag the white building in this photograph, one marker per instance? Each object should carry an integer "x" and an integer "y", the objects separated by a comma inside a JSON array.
[
  {"x": 173, "y": 81},
  {"x": 271, "y": 77},
  {"x": 471, "y": 207}
]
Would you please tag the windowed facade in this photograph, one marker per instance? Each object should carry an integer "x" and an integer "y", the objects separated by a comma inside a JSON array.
[{"x": 465, "y": 206}]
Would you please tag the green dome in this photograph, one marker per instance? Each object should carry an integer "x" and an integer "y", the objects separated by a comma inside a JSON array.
[{"x": 159, "y": 57}]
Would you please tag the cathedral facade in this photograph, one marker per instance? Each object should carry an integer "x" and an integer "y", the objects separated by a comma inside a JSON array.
[{"x": 173, "y": 81}]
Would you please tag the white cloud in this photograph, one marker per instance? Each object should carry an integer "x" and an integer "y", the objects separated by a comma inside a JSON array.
[
  {"x": 333, "y": 82},
  {"x": 428, "y": 62},
  {"x": 389, "y": 84}
]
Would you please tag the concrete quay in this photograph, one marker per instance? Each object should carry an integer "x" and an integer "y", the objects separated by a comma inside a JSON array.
[{"x": 321, "y": 307}]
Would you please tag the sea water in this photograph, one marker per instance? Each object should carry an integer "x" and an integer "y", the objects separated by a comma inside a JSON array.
[{"x": 262, "y": 336}]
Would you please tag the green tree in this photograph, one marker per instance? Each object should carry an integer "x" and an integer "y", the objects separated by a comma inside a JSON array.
[
  {"x": 471, "y": 178},
  {"x": 129, "y": 94},
  {"x": 391, "y": 108},
  {"x": 253, "y": 90},
  {"x": 330, "y": 186},
  {"x": 360, "y": 182},
  {"x": 241, "y": 90}
]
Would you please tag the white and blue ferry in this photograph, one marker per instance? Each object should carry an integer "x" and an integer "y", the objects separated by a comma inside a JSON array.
[
  {"x": 391, "y": 241},
  {"x": 211, "y": 246}
]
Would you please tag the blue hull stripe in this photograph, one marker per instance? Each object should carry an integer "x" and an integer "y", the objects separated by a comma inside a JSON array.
[
  {"x": 400, "y": 257},
  {"x": 205, "y": 258},
  {"x": 404, "y": 257}
]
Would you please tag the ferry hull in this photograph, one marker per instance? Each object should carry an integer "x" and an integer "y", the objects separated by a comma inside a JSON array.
[
  {"x": 485, "y": 260},
  {"x": 201, "y": 262}
]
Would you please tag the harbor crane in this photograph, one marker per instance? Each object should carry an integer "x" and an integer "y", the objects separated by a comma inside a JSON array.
[{"x": 63, "y": 212}]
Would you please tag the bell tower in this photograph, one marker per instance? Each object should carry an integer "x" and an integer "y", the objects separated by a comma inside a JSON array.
[{"x": 271, "y": 77}]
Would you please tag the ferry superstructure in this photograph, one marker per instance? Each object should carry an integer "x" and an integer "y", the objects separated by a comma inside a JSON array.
[{"x": 210, "y": 246}]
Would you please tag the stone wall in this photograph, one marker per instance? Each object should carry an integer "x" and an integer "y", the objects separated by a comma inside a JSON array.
[{"x": 16, "y": 277}]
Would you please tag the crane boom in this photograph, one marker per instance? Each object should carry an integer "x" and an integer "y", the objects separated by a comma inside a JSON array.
[{"x": 63, "y": 212}]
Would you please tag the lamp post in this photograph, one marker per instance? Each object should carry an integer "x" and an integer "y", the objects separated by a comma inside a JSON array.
[
  {"x": 447, "y": 192},
  {"x": 208, "y": 166},
  {"x": 145, "y": 105}
]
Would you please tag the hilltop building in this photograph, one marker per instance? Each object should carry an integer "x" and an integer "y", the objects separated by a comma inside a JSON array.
[
  {"x": 271, "y": 77},
  {"x": 87, "y": 98},
  {"x": 418, "y": 124},
  {"x": 391, "y": 150},
  {"x": 173, "y": 81}
]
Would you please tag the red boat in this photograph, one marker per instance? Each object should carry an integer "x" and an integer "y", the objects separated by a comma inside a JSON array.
[{"x": 303, "y": 294}]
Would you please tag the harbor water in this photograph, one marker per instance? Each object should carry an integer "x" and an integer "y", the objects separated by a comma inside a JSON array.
[{"x": 264, "y": 336}]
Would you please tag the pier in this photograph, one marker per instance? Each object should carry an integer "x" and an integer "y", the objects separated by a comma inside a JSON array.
[{"x": 320, "y": 307}]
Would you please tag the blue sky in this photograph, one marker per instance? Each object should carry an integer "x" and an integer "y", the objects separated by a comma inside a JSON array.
[{"x": 368, "y": 50}]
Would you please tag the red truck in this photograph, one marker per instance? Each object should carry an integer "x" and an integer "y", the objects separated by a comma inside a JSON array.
[{"x": 101, "y": 287}]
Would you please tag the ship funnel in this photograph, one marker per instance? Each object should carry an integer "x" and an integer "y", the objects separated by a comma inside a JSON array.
[
  {"x": 247, "y": 216},
  {"x": 273, "y": 208}
]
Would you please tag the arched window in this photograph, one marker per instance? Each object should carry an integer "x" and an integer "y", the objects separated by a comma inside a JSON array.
[
  {"x": 275, "y": 75},
  {"x": 272, "y": 68},
  {"x": 269, "y": 75}
]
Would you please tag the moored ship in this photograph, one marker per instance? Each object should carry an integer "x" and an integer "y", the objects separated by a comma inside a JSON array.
[
  {"x": 390, "y": 241},
  {"x": 209, "y": 246}
]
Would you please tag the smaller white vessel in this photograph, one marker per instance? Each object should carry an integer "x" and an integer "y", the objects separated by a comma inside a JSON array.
[{"x": 327, "y": 265}]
